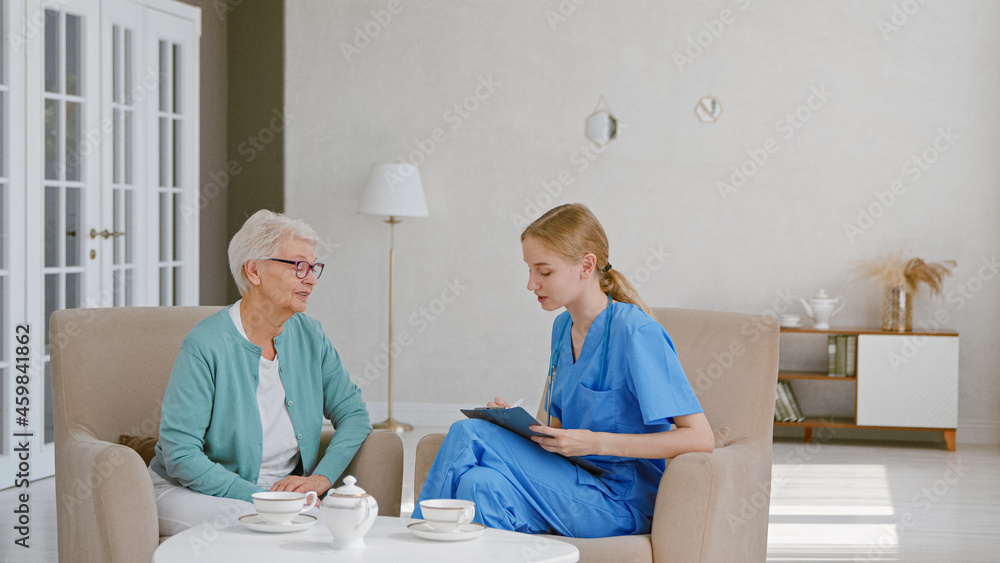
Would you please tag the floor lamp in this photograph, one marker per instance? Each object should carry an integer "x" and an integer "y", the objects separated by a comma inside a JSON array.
[{"x": 394, "y": 190}]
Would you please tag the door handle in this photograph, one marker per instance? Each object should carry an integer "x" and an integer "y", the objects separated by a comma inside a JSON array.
[{"x": 104, "y": 233}]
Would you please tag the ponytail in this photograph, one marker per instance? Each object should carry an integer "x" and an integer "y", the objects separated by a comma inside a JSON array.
[{"x": 622, "y": 290}]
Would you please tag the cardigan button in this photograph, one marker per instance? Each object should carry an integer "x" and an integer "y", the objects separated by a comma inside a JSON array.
[
  {"x": 298, "y": 436},
  {"x": 289, "y": 403}
]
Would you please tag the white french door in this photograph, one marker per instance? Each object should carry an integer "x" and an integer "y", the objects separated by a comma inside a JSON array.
[{"x": 101, "y": 197}]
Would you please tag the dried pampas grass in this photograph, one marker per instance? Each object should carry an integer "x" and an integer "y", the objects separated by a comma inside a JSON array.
[{"x": 896, "y": 270}]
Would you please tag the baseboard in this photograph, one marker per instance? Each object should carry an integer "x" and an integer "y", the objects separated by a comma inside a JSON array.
[
  {"x": 978, "y": 432},
  {"x": 417, "y": 414}
]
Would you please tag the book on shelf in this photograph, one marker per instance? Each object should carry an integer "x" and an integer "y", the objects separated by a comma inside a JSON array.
[
  {"x": 850, "y": 370},
  {"x": 781, "y": 412},
  {"x": 831, "y": 350},
  {"x": 842, "y": 355},
  {"x": 791, "y": 407}
]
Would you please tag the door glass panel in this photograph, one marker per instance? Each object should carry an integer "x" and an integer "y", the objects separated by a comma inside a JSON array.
[
  {"x": 74, "y": 50},
  {"x": 117, "y": 212},
  {"x": 52, "y": 302},
  {"x": 176, "y": 78},
  {"x": 164, "y": 287},
  {"x": 116, "y": 78},
  {"x": 129, "y": 144},
  {"x": 116, "y": 124},
  {"x": 74, "y": 158},
  {"x": 129, "y": 287},
  {"x": 3, "y": 126},
  {"x": 51, "y": 51},
  {"x": 52, "y": 140},
  {"x": 3, "y": 240},
  {"x": 73, "y": 231},
  {"x": 74, "y": 284},
  {"x": 176, "y": 230},
  {"x": 164, "y": 151},
  {"x": 164, "y": 77},
  {"x": 128, "y": 67},
  {"x": 177, "y": 286},
  {"x": 51, "y": 226},
  {"x": 176, "y": 156},
  {"x": 164, "y": 227},
  {"x": 129, "y": 227}
]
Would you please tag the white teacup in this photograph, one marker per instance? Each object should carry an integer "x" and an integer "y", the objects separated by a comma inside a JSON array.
[
  {"x": 282, "y": 507},
  {"x": 447, "y": 515}
]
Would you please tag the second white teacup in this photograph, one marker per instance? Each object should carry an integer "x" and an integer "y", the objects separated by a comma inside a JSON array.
[
  {"x": 282, "y": 507},
  {"x": 447, "y": 515}
]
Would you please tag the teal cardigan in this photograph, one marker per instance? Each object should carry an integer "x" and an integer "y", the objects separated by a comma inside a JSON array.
[{"x": 211, "y": 439}]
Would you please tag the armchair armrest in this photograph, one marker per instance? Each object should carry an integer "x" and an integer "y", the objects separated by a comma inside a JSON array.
[
  {"x": 106, "y": 506},
  {"x": 378, "y": 467},
  {"x": 705, "y": 502}
]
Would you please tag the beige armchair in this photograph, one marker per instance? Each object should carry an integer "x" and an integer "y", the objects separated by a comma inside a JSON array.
[
  {"x": 710, "y": 507},
  {"x": 109, "y": 371}
]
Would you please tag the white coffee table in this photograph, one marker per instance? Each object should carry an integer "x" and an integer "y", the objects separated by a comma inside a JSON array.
[{"x": 388, "y": 541}]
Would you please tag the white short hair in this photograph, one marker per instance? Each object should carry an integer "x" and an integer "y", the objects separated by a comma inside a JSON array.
[{"x": 260, "y": 238}]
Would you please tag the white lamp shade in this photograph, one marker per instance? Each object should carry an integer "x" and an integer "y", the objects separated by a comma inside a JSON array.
[{"x": 394, "y": 189}]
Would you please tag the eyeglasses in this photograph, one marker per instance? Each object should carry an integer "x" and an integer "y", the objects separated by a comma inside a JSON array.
[{"x": 302, "y": 268}]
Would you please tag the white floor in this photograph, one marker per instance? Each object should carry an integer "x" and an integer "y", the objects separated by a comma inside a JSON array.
[{"x": 837, "y": 501}]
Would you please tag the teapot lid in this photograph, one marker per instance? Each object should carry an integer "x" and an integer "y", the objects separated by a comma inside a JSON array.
[
  {"x": 348, "y": 490},
  {"x": 821, "y": 295}
]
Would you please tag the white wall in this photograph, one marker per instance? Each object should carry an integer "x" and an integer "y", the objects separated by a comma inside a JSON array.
[{"x": 366, "y": 85}]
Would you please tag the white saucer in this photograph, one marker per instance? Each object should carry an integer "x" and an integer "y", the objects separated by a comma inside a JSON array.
[
  {"x": 257, "y": 524},
  {"x": 796, "y": 325},
  {"x": 465, "y": 532}
]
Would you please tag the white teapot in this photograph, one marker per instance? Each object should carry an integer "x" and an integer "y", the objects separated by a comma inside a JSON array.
[
  {"x": 348, "y": 512},
  {"x": 821, "y": 307}
]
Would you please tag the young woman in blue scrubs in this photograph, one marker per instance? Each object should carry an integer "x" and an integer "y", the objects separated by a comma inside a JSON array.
[{"x": 614, "y": 387}]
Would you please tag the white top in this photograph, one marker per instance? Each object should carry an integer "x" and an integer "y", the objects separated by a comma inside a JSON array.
[
  {"x": 388, "y": 541},
  {"x": 280, "y": 448}
]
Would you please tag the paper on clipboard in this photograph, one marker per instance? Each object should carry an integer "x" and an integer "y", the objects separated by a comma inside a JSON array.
[{"x": 517, "y": 420}]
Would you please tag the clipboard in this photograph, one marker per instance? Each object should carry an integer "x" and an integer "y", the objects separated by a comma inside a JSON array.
[{"x": 517, "y": 420}]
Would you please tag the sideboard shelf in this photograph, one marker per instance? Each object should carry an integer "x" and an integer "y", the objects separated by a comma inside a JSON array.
[{"x": 904, "y": 381}]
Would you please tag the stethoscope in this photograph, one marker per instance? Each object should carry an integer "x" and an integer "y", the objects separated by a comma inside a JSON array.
[{"x": 554, "y": 357}]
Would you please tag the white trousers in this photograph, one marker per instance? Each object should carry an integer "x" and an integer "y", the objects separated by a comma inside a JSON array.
[{"x": 180, "y": 508}]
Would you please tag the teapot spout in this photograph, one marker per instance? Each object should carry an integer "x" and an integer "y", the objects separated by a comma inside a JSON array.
[{"x": 809, "y": 310}]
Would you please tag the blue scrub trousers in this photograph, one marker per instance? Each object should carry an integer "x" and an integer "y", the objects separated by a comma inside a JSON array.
[{"x": 519, "y": 486}]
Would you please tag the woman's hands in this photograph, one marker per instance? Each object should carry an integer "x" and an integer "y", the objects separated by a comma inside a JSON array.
[
  {"x": 497, "y": 402},
  {"x": 571, "y": 442},
  {"x": 297, "y": 484}
]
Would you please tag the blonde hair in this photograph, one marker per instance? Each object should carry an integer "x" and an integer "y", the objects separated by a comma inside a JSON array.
[
  {"x": 572, "y": 231},
  {"x": 260, "y": 238}
]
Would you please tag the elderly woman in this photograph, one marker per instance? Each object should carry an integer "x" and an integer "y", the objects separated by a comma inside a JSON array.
[{"x": 251, "y": 384}]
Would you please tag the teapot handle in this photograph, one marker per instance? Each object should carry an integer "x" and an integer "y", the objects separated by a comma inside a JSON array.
[
  {"x": 842, "y": 305},
  {"x": 368, "y": 510}
]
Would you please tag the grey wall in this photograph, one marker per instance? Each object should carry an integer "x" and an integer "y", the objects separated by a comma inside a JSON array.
[
  {"x": 839, "y": 97},
  {"x": 256, "y": 116}
]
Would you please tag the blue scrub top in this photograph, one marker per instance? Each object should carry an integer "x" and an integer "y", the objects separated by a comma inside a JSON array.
[{"x": 645, "y": 387}]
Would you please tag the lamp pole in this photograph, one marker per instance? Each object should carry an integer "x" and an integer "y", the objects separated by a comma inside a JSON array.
[{"x": 390, "y": 423}]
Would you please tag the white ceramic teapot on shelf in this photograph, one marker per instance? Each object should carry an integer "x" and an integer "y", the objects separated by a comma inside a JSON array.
[
  {"x": 821, "y": 307},
  {"x": 348, "y": 513}
]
